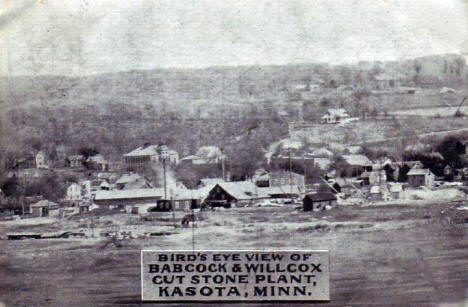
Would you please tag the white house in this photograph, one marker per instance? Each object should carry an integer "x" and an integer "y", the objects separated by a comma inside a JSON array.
[
  {"x": 74, "y": 192},
  {"x": 335, "y": 116},
  {"x": 40, "y": 160}
]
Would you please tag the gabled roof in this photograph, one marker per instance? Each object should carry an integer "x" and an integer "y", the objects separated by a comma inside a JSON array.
[
  {"x": 357, "y": 159},
  {"x": 191, "y": 157},
  {"x": 211, "y": 181},
  {"x": 150, "y": 150},
  {"x": 192, "y": 194},
  {"x": 354, "y": 149},
  {"x": 436, "y": 154},
  {"x": 46, "y": 203},
  {"x": 97, "y": 159},
  {"x": 320, "y": 196},
  {"x": 129, "y": 194},
  {"x": 209, "y": 152},
  {"x": 285, "y": 189},
  {"x": 240, "y": 190},
  {"x": 419, "y": 171},
  {"x": 338, "y": 112},
  {"x": 134, "y": 181},
  {"x": 447, "y": 90},
  {"x": 322, "y": 153}
]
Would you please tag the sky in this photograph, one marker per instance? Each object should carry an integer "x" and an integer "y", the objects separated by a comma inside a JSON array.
[{"x": 83, "y": 37}]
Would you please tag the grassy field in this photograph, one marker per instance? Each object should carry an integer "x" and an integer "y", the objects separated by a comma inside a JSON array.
[
  {"x": 431, "y": 112},
  {"x": 399, "y": 255}
]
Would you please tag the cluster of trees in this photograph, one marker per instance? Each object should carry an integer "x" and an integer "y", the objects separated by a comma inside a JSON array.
[
  {"x": 449, "y": 151},
  {"x": 50, "y": 186}
]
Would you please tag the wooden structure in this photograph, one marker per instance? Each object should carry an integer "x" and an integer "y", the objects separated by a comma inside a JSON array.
[{"x": 318, "y": 201}]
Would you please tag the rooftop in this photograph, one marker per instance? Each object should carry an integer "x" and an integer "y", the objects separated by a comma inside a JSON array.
[
  {"x": 45, "y": 203},
  {"x": 338, "y": 112},
  {"x": 129, "y": 194},
  {"x": 322, "y": 153},
  {"x": 285, "y": 189},
  {"x": 209, "y": 152},
  {"x": 419, "y": 171},
  {"x": 211, "y": 181},
  {"x": 357, "y": 159},
  {"x": 320, "y": 196},
  {"x": 239, "y": 189},
  {"x": 128, "y": 178},
  {"x": 375, "y": 189},
  {"x": 150, "y": 150}
]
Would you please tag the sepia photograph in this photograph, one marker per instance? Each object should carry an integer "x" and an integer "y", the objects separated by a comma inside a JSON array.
[{"x": 234, "y": 153}]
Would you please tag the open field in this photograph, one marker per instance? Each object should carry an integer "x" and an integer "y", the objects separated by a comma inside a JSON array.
[
  {"x": 397, "y": 255},
  {"x": 431, "y": 112}
]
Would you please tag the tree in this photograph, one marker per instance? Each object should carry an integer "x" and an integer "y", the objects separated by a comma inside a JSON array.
[
  {"x": 48, "y": 186},
  {"x": 451, "y": 148},
  {"x": 12, "y": 188},
  {"x": 88, "y": 152}
]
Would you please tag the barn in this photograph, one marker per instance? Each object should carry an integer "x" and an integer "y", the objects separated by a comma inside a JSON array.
[{"x": 318, "y": 201}]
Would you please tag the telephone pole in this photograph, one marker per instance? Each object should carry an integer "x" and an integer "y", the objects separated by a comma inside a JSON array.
[
  {"x": 164, "y": 179},
  {"x": 223, "y": 166},
  {"x": 290, "y": 176}
]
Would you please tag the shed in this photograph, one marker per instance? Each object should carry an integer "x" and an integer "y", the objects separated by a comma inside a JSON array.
[
  {"x": 45, "y": 208},
  {"x": 420, "y": 177},
  {"x": 318, "y": 201}
]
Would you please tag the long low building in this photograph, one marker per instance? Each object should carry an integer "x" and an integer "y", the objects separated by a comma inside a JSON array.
[
  {"x": 139, "y": 198},
  {"x": 284, "y": 191}
]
